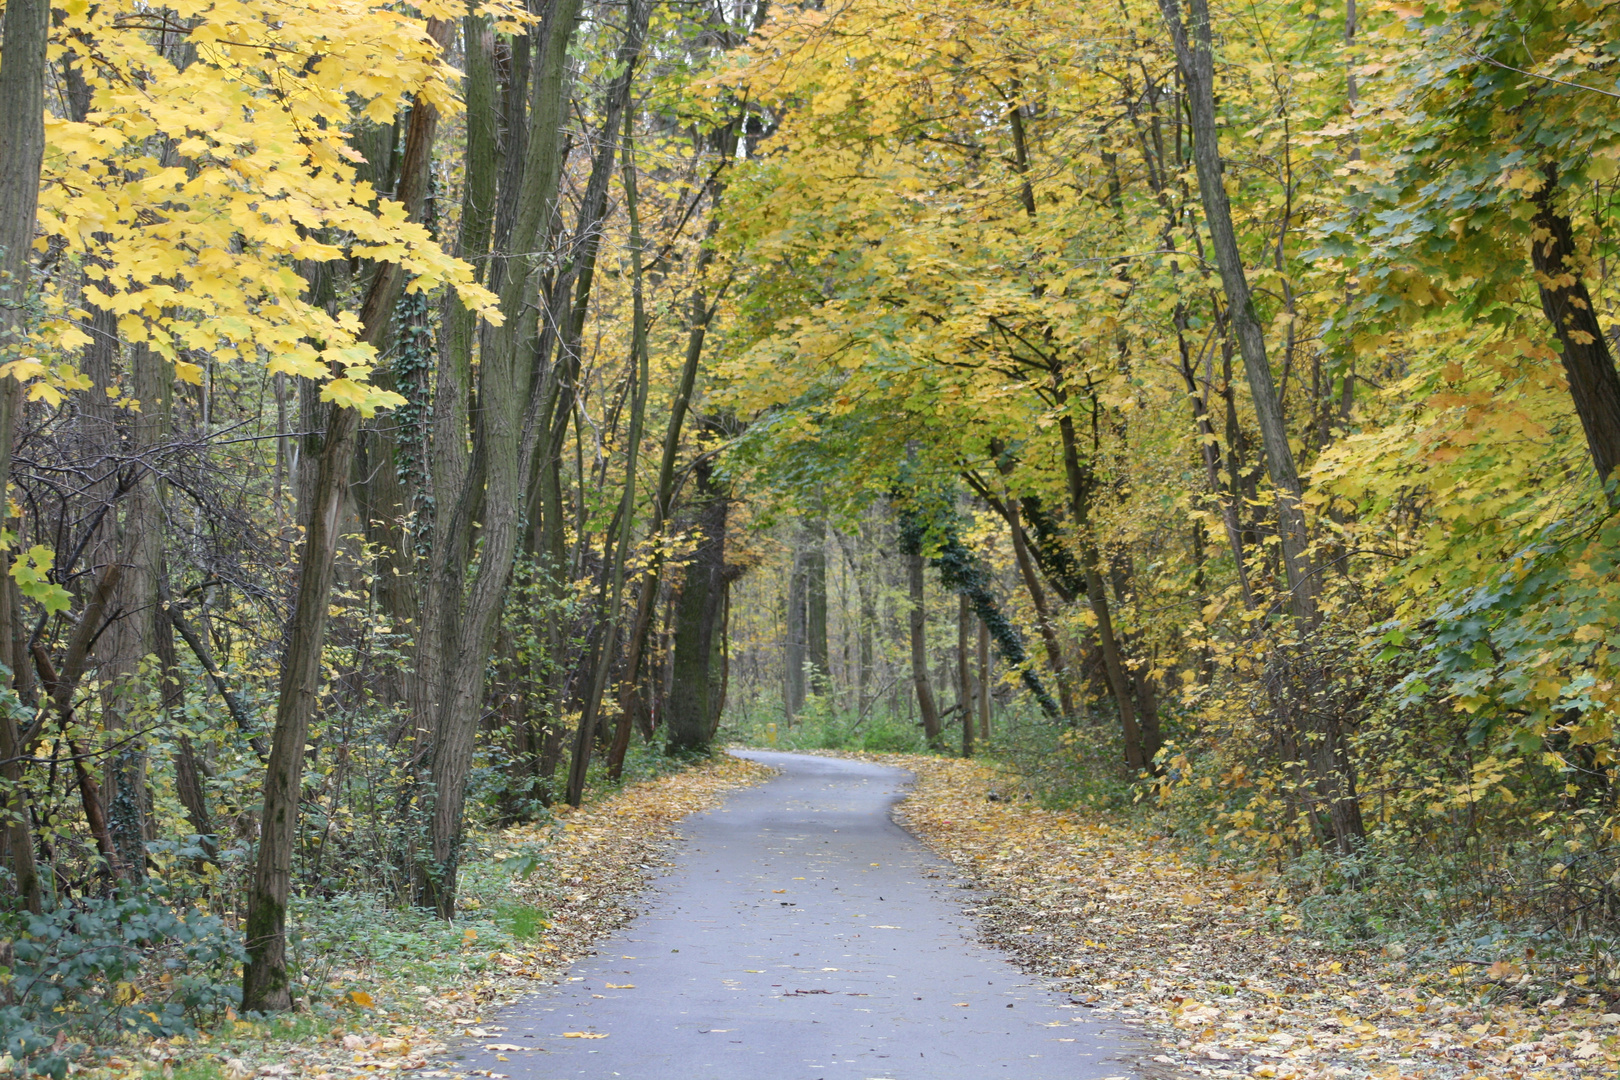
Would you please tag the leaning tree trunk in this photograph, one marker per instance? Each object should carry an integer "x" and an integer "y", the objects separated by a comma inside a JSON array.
[
  {"x": 1589, "y": 366},
  {"x": 265, "y": 985},
  {"x": 1328, "y": 760},
  {"x": 1196, "y": 59}
]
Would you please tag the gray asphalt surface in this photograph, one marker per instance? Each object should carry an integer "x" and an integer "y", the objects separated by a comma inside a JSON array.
[{"x": 803, "y": 936}]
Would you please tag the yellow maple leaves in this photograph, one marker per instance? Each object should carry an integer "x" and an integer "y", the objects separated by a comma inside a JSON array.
[{"x": 208, "y": 169}]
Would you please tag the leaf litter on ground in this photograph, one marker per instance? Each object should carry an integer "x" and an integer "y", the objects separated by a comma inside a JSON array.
[
  {"x": 598, "y": 860},
  {"x": 1209, "y": 962}
]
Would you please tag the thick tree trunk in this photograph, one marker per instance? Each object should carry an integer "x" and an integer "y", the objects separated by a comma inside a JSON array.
[
  {"x": 22, "y": 149},
  {"x": 918, "y": 623},
  {"x": 1594, "y": 385},
  {"x": 686, "y": 719}
]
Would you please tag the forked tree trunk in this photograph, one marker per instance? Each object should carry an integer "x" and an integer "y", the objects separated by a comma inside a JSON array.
[
  {"x": 265, "y": 985},
  {"x": 460, "y": 615}
]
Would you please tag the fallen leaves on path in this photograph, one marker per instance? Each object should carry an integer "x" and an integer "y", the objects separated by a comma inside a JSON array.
[
  {"x": 1130, "y": 924},
  {"x": 597, "y": 865}
]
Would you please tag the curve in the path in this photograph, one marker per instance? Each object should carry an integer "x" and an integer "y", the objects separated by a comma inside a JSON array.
[{"x": 803, "y": 936}]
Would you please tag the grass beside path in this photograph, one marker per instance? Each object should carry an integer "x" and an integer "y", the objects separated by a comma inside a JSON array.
[
  {"x": 1213, "y": 966},
  {"x": 395, "y": 987}
]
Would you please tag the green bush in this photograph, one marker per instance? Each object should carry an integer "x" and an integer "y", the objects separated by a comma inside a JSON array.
[{"x": 128, "y": 963}]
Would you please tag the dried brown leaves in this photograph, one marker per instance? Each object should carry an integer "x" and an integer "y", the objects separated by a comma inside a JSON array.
[{"x": 1131, "y": 925}]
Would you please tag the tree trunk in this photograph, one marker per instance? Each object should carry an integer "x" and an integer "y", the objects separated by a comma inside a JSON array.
[
  {"x": 918, "y": 621},
  {"x": 687, "y": 720},
  {"x": 1043, "y": 612},
  {"x": 592, "y": 210},
  {"x": 630, "y": 702},
  {"x": 1114, "y": 665},
  {"x": 816, "y": 654},
  {"x": 22, "y": 149},
  {"x": 966, "y": 694},
  {"x": 459, "y": 617},
  {"x": 793, "y": 650},
  {"x": 1197, "y": 63},
  {"x": 265, "y": 987},
  {"x": 984, "y": 680},
  {"x": 1588, "y": 365}
]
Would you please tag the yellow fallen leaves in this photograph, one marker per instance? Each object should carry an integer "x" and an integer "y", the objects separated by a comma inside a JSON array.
[
  {"x": 584, "y": 1035},
  {"x": 1203, "y": 957}
]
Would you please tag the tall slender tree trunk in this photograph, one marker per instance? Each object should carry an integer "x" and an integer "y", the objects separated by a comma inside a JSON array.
[
  {"x": 793, "y": 647},
  {"x": 22, "y": 149},
  {"x": 966, "y": 694},
  {"x": 816, "y": 653},
  {"x": 917, "y": 620},
  {"x": 1325, "y": 753},
  {"x": 265, "y": 985},
  {"x": 1114, "y": 665},
  {"x": 1196, "y": 59},
  {"x": 640, "y": 373},
  {"x": 984, "y": 680}
]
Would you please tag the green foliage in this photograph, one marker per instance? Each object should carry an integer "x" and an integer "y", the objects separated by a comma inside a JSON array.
[
  {"x": 97, "y": 967},
  {"x": 820, "y": 726}
]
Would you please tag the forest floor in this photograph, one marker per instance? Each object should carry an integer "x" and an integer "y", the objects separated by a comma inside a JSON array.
[
  {"x": 1214, "y": 965},
  {"x": 393, "y": 1017},
  {"x": 1211, "y": 964}
]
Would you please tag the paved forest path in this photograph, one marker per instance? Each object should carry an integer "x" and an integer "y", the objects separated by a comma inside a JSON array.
[{"x": 802, "y": 936}]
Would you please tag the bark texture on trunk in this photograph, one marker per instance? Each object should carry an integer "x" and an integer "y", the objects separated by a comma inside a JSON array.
[
  {"x": 687, "y": 719},
  {"x": 917, "y": 620},
  {"x": 466, "y": 586},
  {"x": 265, "y": 986},
  {"x": 1594, "y": 385},
  {"x": 1195, "y": 56},
  {"x": 22, "y": 149}
]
